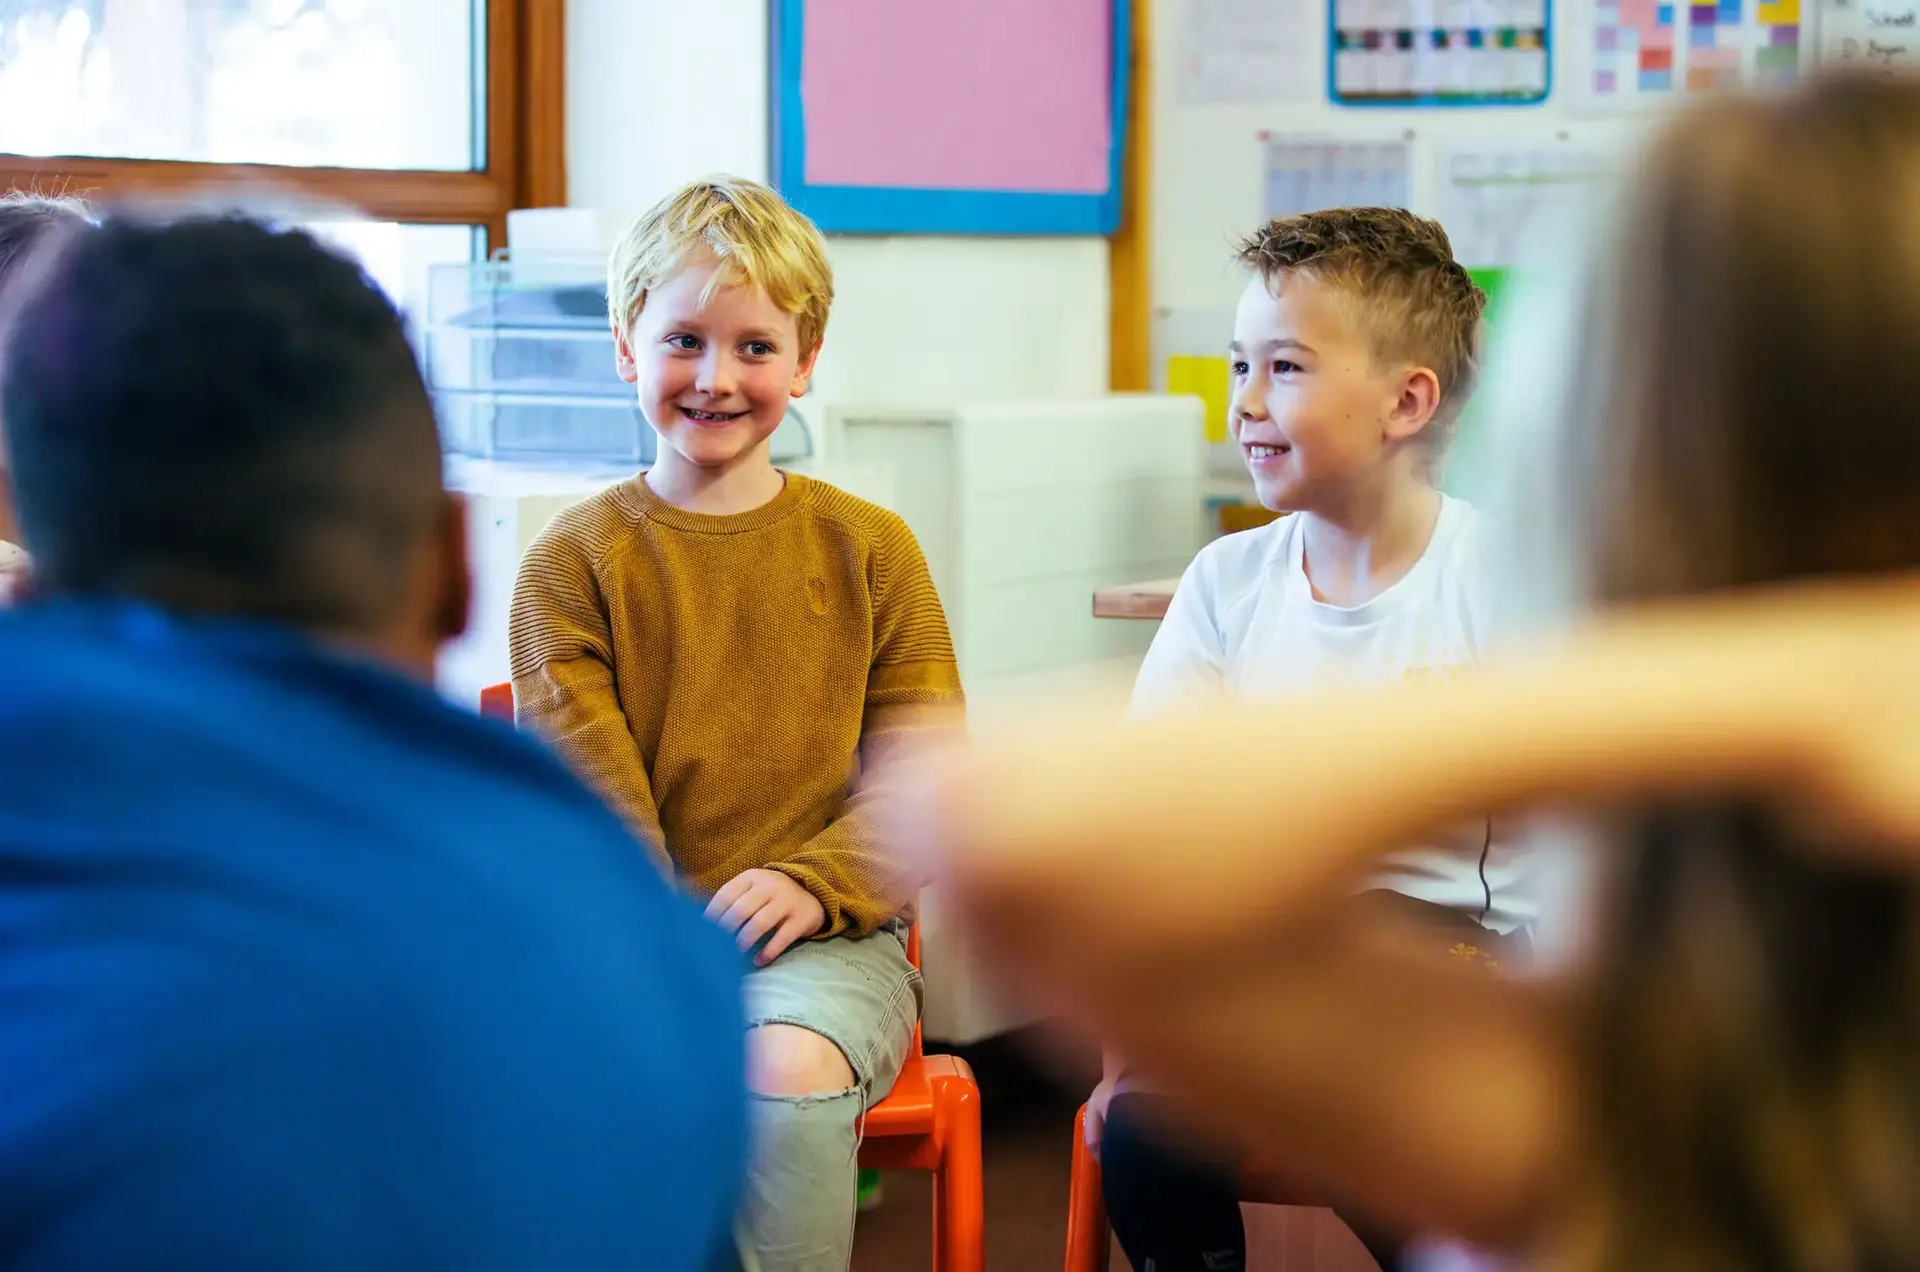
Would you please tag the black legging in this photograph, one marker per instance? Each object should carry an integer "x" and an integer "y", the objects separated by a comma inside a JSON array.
[{"x": 1177, "y": 1212}]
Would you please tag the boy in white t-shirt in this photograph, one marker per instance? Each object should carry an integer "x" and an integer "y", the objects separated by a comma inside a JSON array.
[{"x": 1355, "y": 347}]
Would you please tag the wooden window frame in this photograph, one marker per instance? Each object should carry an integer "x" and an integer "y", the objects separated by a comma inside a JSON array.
[{"x": 525, "y": 159}]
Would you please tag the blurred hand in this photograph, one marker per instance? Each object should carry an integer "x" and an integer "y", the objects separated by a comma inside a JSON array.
[
  {"x": 758, "y": 904},
  {"x": 1865, "y": 781},
  {"x": 1848, "y": 658}
]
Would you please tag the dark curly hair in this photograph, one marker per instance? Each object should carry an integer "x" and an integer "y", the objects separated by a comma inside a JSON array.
[{"x": 1415, "y": 303}]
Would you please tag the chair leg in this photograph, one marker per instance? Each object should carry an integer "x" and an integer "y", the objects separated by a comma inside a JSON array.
[
  {"x": 1089, "y": 1243},
  {"x": 959, "y": 1186}
]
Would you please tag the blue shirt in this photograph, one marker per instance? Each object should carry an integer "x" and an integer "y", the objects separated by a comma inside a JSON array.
[{"x": 301, "y": 967}]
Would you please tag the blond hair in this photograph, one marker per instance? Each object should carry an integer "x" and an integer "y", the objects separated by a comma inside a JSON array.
[
  {"x": 757, "y": 237},
  {"x": 1415, "y": 303}
]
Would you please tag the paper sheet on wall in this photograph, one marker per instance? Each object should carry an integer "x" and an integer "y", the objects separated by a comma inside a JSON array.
[
  {"x": 1309, "y": 173},
  {"x": 1492, "y": 198},
  {"x": 1253, "y": 51},
  {"x": 1626, "y": 55},
  {"x": 1871, "y": 35}
]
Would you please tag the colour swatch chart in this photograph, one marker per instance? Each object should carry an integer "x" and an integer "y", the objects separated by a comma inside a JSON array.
[
  {"x": 1439, "y": 52},
  {"x": 1645, "y": 52},
  {"x": 1495, "y": 199},
  {"x": 1307, "y": 173}
]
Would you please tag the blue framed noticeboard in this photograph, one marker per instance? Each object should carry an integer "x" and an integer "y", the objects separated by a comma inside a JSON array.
[{"x": 988, "y": 117}]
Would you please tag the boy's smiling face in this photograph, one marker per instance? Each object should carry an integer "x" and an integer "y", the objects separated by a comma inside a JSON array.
[
  {"x": 714, "y": 375},
  {"x": 1312, "y": 415}
]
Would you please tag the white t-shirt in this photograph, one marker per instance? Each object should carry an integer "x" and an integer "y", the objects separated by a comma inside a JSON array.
[{"x": 1245, "y": 623}]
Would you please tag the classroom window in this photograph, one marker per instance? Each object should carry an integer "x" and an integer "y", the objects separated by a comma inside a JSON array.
[
  {"x": 415, "y": 113},
  {"x": 247, "y": 81},
  {"x": 398, "y": 256}
]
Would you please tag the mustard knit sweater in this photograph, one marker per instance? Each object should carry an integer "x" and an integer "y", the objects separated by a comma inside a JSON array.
[{"x": 736, "y": 687}]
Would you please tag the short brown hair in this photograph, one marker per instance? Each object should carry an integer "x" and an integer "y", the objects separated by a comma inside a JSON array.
[
  {"x": 758, "y": 237},
  {"x": 1416, "y": 304}
]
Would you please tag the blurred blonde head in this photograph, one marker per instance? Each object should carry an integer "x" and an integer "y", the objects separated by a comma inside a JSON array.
[
  {"x": 758, "y": 238},
  {"x": 1734, "y": 414}
]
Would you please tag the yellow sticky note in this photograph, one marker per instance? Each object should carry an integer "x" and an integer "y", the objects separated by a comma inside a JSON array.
[
  {"x": 1206, "y": 379},
  {"x": 1780, "y": 12}
]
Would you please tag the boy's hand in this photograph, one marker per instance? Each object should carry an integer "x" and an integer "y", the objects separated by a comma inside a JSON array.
[{"x": 756, "y": 903}]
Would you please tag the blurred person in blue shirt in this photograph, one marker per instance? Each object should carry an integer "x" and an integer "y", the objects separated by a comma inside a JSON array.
[{"x": 301, "y": 967}]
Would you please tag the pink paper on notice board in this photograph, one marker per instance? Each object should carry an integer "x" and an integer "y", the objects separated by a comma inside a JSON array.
[{"x": 959, "y": 94}]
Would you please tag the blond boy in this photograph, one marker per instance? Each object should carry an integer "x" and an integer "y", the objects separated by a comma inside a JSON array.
[
  {"x": 735, "y": 656},
  {"x": 1355, "y": 347}
]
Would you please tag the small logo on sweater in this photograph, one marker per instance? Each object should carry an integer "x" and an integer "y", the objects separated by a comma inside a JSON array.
[{"x": 817, "y": 595}]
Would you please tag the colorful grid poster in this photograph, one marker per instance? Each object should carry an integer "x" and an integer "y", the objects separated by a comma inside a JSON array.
[
  {"x": 1633, "y": 46},
  {"x": 1731, "y": 43},
  {"x": 1647, "y": 52}
]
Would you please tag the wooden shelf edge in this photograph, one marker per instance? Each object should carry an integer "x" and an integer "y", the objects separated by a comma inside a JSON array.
[{"x": 1135, "y": 600}]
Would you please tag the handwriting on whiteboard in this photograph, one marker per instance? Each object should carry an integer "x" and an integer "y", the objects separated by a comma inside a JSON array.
[{"x": 1883, "y": 36}]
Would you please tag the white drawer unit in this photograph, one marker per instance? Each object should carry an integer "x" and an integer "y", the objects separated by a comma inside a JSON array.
[{"x": 1025, "y": 508}]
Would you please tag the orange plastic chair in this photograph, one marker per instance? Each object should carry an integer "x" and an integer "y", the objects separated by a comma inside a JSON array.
[
  {"x": 1089, "y": 1241},
  {"x": 496, "y": 702},
  {"x": 930, "y": 1120}
]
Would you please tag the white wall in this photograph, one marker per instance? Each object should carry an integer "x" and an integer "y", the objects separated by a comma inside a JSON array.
[
  {"x": 662, "y": 91},
  {"x": 946, "y": 319}
]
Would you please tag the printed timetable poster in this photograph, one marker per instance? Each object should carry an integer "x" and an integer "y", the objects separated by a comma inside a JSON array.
[
  {"x": 1635, "y": 54},
  {"x": 1439, "y": 52}
]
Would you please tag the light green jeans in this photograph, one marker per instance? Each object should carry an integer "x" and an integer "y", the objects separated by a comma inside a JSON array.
[{"x": 862, "y": 995}]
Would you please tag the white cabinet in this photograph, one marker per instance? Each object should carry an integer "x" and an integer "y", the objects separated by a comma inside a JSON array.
[{"x": 1024, "y": 508}]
